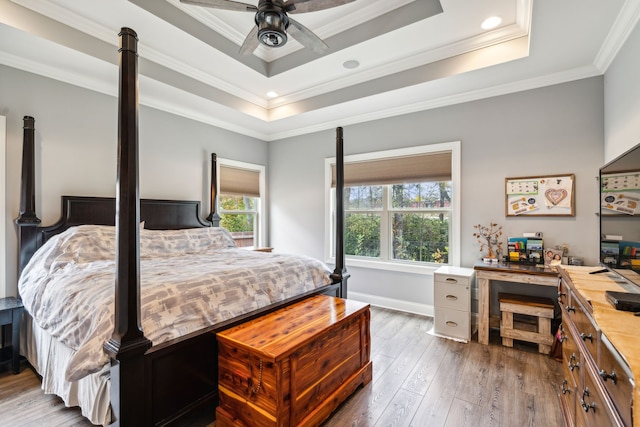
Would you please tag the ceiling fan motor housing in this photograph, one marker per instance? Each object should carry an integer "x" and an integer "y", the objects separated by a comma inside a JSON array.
[{"x": 272, "y": 22}]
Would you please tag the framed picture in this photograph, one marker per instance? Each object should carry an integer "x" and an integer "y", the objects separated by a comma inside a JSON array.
[
  {"x": 552, "y": 256},
  {"x": 551, "y": 195}
]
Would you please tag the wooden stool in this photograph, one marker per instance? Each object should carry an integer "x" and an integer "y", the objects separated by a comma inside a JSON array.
[{"x": 539, "y": 307}]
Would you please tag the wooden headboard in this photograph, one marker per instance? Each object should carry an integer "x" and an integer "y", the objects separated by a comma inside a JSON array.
[{"x": 78, "y": 210}]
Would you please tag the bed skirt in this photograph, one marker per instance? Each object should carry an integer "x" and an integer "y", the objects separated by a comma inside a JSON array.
[{"x": 49, "y": 358}]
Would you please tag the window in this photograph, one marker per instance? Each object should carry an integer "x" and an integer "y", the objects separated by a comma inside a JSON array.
[
  {"x": 401, "y": 207},
  {"x": 241, "y": 190}
]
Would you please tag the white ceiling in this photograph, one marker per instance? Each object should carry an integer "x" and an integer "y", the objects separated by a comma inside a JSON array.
[{"x": 413, "y": 55}]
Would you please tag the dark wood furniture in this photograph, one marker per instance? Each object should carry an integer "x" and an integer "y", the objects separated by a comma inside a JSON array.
[
  {"x": 509, "y": 272},
  {"x": 295, "y": 366},
  {"x": 10, "y": 315},
  {"x": 150, "y": 385},
  {"x": 599, "y": 352}
]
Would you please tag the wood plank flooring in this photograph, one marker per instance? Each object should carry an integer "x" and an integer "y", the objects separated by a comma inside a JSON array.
[{"x": 418, "y": 380}]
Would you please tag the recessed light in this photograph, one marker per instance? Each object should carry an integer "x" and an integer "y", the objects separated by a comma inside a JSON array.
[
  {"x": 491, "y": 23},
  {"x": 272, "y": 94},
  {"x": 351, "y": 64}
]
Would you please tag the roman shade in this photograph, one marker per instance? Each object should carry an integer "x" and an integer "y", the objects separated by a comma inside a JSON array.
[
  {"x": 239, "y": 182},
  {"x": 397, "y": 170}
]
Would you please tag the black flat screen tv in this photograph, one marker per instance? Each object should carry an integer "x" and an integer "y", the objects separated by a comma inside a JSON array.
[{"x": 620, "y": 215}]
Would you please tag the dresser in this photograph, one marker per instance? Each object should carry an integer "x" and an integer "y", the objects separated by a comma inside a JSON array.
[
  {"x": 600, "y": 350},
  {"x": 452, "y": 302}
]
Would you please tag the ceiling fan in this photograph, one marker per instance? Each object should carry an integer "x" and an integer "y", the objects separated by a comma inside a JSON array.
[{"x": 272, "y": 21}]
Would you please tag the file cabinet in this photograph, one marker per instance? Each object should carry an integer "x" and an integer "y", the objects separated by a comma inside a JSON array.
[{"x": 452, "y": 302}]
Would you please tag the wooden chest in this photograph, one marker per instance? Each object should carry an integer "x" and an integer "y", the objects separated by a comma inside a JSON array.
[{"x": 293, "y": 367}]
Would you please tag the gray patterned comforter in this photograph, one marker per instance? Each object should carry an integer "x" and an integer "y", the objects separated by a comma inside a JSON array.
[{"x": 190, "y": 279}]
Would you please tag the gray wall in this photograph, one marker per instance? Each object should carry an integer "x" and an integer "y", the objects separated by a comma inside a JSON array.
[
  {"x": 622, "y": 99},
  {"x": 76, "y": 140},
  {"x": 553, "y": 130}
]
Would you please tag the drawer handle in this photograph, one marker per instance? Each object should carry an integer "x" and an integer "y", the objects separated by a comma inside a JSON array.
[
  {"x": 561, "y": 294},
  {"x": 563, "y": 337},
  {"x": 451, "y": 323},
  {"x": 564, "y": 389},
  {"x": 586, "y": 337},
  {"x": 450, "y": 280},
  {"x": 587, "y": 406},
  {"x": 570, "y": 363},
  {"x": 603, "y": 374},
  {"x": 452, "y": 297},
  {"x": 255, "y": 390},
  {"x": 570, "y": 309}
]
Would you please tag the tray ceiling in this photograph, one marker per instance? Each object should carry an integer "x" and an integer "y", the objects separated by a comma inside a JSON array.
[{"x": 411, "y": 55}]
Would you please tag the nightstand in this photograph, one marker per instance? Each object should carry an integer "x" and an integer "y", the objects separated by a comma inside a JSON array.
[{"x": 10, "y": 314}]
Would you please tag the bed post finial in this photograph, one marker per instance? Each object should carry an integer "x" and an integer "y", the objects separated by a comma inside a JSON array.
[
  {"x": 27, "y": 221},
  {"x": 214, "y": 217},
  {"x": 340, "y": 272},
  {"x": 127, "y": 344}
]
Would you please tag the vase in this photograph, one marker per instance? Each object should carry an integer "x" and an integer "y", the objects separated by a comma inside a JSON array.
[{"x": 490, "y": 253}]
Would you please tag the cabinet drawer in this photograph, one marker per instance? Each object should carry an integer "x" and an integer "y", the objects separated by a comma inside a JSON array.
[
  {"x": 453, "y": 323},
  {"x": 585, "y": 327},
  {"x": 568, "y": 393},
  {"x": 617, "y": 379},
  {"x": 594, "y": 405},
  {"x": 451, "y": 279},
  {"x": 452, "y": 296},
  {"x": 563, "y": 294}
]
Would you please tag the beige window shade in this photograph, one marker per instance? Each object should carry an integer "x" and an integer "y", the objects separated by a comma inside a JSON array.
[
  {"x": 397, "y": 170},
  {"x": 239, "y": 182}
]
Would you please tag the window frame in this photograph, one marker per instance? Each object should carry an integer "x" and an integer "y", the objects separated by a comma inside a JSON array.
[
  {"x": 261, "y": 221},
  {"x": 398, "y": 265}
]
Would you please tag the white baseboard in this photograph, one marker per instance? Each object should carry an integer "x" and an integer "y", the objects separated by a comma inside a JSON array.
[{"x": 393, "y": 304}]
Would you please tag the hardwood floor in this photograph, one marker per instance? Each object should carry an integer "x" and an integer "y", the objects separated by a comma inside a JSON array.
[{"x": 418, "y": 380}]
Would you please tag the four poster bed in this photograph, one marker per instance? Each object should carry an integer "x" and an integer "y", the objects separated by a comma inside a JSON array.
[{"x": 146, "y": 354}]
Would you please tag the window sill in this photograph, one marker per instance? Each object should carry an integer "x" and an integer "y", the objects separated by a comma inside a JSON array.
[{"x": 390, "y": 266}]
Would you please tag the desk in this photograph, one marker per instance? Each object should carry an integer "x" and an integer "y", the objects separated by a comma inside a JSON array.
[{"x": 512, "y": 272}]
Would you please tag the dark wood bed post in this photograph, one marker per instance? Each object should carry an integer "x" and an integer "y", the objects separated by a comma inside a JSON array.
[
  {"x": 214, "y": 217},
  {"x": 340, "y": 272},
  {"x": 27, "y": 221},
  {"x": 128, "y": 344}
]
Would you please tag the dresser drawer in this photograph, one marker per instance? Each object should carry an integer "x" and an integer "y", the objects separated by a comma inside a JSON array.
[
  {"x": 616, "y": 378},
  {"x": 563, "y": 294},
  {"x": 585, "y": 326},
  {"x": 452, "y": 296},
  {"x": 567, "y": 394},
  {"x": 453, "y": 323},
  {"x": 594, "y": 405}
]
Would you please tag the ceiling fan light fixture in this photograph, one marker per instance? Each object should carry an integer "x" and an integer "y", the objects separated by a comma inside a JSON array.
[{"x": 272, "y": 28}]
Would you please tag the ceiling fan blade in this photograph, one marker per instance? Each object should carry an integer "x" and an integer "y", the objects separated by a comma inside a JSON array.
[
  {"x": 306, "y": 37},
  {"x": 223, "y": 4},
  {"x": 302, "y": 6},
  {"x": 251, "y": 42}
]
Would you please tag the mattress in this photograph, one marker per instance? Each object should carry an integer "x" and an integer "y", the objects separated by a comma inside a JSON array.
[{"x": 190, "y": 279}]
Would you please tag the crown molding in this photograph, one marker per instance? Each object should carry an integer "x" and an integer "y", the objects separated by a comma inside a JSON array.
[{"x": 623, "y": 26}]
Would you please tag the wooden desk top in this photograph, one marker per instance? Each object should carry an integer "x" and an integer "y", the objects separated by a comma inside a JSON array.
[{"x": 514, "y": 267}]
